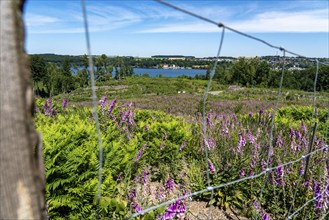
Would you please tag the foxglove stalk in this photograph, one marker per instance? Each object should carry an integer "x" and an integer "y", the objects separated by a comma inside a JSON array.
[
  {"x": 242, "y": 143},
  {"x": 265, "y": 216},
  {"x": 131, "y": 118},
  {"x": 140, "y": 153},
  {"x": 170, "y": 184},
  {"x": 302, "y": 169},
  {"x": 119, "y": 177},
  {"x": 279, "y": 175},
  {"x": 132, "y": 194},
  {"x": 211, "y": 167},
  {"x": 241, "y": 173},
  {"x": 303, "y": 127},
  {"x": 125, "y": 116},
  {"x": 209, "y": 120},
  {"x": 211, "y": 143},
  {"x": 64, "y": 104},
  {"x": 251, "y": 138},
  {"x": 111, "y": 106},
  {"x": 48, "y": 108},
  {"x": 261, "y": 112},
  {"x": 137, "y": 207},
  {"x": 256, "y": 205},
  {"x": 102, "y": 103},
  {"x": 318, "y": 195},
  {"x": 159, "y": 193}
]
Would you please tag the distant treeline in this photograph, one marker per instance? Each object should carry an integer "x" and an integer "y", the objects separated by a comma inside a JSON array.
[
  {"x": 256, "y": 72},
  {"x": 158, "y": 62},
  {"x": 52, "y": 74}
]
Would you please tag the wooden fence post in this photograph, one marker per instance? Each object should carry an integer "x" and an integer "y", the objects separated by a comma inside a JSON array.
[{"x": 21, "y": 166}]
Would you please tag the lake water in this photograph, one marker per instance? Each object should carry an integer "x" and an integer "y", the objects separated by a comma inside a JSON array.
[
  {"x": 164, "y": 72},
  {"x": 169, "y": 72}
]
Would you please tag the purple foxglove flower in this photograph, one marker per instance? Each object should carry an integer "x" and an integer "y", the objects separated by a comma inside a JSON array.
[
  {"x": 119, "y": 177},
  {"x": 137, "y": 178},
  {"x": 45, "y": 107},
  {"x": 303, "y": 127},
  {"x": 166, "y": 216},
  {"x": 170, "y": 184},
  {"x": 125, "y": 116},
  {"x": 261, "y": 112},
  {"x": 251, "y": 138},
  {"x": 211, "y": 167},
  {"x": 211, "y": 143},
  {"x": 137, "y": 207},
  {"x": 291, "y": 133},
  {"x": 241, "y": 173},
  {"x": 182, "y": 146},
  {"x": 132, "y": 194},
  {"x": 279, "y": 175},
  {"x": 131, "y": 118},
  {"x": 298, "y": 135},
  {"x": 302, "y": 169},
  {"x": 48, "y": 108},
  {"x": 256, "y": 205},
  {"x": 64, "y": 104},
  {"x": 177, "y": 207},
  {"x": 242, "y": 143},
  {"x": 253, "y": 163},
  {"x": 265, "y": 216},
  {"x": 318, "y": 195},
  {"x": 225, "y": 129},
  {"x": 209, "y": 120},
  {"x": 250, "y": 114},
  {"x": 146, "y": 128},
  {"x": 111, "y": 106},
  {"x": 145, "y": 177},
  {"x": 140, "y": 153},
  {"x": 102, "y": 103},
  {"x": 159, "y": 193}
]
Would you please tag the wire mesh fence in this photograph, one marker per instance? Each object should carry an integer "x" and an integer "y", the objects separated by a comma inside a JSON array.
[{"x": 293, "y": 211}]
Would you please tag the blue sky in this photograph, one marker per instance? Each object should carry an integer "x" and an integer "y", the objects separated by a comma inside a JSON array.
[{"x": 146, "y": 28}]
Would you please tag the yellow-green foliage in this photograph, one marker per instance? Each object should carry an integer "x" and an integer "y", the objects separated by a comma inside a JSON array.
[
  {"x": 71, "y": 157},
  {"x": 293, "y": 117}
]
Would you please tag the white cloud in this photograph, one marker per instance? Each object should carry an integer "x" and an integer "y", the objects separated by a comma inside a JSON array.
[
  {"x": 302, "y": 21},
  {"x": 34, "y": 20}
]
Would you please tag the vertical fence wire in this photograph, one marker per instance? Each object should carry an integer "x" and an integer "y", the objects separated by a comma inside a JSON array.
[
  {"x": 204, "y": 118},
  {"x": 95, "y": 114}
]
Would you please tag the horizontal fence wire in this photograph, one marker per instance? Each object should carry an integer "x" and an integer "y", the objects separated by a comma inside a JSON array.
[{"x": 211, "y": 188}]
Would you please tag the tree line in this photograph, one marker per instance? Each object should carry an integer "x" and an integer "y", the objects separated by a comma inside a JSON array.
[
  {"x": 256, "y": 72},
  {"x": 52, "y": 78}
]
